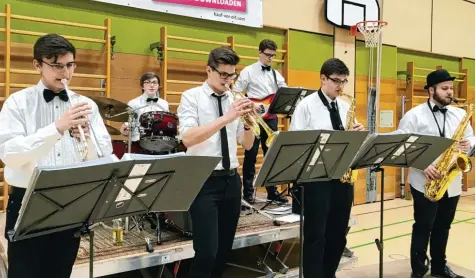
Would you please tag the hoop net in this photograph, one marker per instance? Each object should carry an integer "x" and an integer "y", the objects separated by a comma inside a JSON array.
[{"x": 370, "y": 29}]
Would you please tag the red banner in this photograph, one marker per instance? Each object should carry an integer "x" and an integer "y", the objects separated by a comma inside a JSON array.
[{"x": 229, "y": 5}]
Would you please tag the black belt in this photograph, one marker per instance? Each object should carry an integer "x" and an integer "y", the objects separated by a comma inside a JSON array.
[{"x": 223, "y": 172}]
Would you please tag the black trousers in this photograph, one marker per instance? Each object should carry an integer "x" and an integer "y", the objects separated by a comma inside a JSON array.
[
  {"x": 249, "y": 161},
  {"x": 432, "y": 224},
  {"x": 51, "y": 255},
  {"x": 327, "y": 207},
  {"x": 215, "y": 213}
]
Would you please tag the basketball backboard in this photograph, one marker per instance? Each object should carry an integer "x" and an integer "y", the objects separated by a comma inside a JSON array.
[{"x": 345, "y": 13}]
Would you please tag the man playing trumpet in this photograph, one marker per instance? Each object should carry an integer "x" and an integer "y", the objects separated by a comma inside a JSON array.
[
  {"x": 39, "y": 128},
  {"x": 210, "y": 125}
]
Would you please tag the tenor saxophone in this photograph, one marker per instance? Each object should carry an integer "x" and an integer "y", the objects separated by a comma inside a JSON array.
[
  {"x": 254, "y": 120},
  {"x": 452, "y": 162},
  {"x": 350, "y": 176}
]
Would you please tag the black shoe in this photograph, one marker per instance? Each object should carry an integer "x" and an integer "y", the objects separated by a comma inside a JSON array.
[
  {"x": 249, "y": 199},
  {"x": 347, "y": 253},
  {"x": 445, "y": 273},
  {"x": 277, "y": 198},
  {"x": 420, "y": 274}
]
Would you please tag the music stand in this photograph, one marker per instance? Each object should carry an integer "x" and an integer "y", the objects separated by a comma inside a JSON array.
[
  {"x": 308, "y": 156},
  {"x": 79, "y": 197},
  {"x": 397, "y": 150},
  {"x": 285, "y": 102},
  {"x": 287, "y": 98}
]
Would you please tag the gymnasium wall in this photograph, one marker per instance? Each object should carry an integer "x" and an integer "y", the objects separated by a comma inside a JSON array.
[{"x": 311, "y": 38}]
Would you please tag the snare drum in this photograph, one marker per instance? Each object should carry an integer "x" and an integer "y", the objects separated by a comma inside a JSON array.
[
  {"x": 159, "y": 131},
  {"x": 119, "y": 148}
]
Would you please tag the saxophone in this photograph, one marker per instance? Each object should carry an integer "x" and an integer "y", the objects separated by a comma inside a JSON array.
[
  {"x": 451, "y": 163},
  {"x": 350, "y": 176},
  {"x": 254, "y": 120}
]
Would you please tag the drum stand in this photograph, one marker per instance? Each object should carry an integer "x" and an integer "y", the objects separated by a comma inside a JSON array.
[{"x": 132, "y": 114}]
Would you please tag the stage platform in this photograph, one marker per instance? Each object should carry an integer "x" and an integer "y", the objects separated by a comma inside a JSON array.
[{"x": 254, "y": 229}]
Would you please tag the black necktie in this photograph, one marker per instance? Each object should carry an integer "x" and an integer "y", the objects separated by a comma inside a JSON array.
[
  {"x": 152, "y": 99},
  {"x": 224, "y": 138},
  {"x": 49, "y": 95},
  {"x": 335, "y": 118},
  {"x": 266, "y": 68},
  {"x": 442, "y": 110}
]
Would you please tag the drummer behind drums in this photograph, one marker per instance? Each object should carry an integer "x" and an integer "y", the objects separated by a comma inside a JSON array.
[{"x": 150, "y": 83}]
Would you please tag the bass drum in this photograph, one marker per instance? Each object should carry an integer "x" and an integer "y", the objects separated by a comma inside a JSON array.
[
  {"x": 119, "y": 148},
  {"x": 159, "y": 131}
]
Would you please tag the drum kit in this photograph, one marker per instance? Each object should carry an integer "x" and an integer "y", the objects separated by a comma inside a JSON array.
[
  {"x": 157, "y": 130},
  {"x": 158, "y": 134}
]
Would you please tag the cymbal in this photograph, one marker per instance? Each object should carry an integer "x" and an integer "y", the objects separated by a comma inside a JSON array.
[
  {"x": 112, "y": 131},
  {"x": 109, "y": 107}
]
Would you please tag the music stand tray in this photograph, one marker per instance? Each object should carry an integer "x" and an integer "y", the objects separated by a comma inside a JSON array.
[
  {"x": 287, "y": 98},
  {"x": 79, "y": 197},
  {"x": 308, "y": 156},
  {"x": 397, "y": 150}
]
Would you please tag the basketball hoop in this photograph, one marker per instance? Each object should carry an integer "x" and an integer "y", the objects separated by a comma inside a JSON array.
[{"x": 370, "y": 29}]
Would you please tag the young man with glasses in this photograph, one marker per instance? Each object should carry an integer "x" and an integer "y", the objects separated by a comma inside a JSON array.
[
  {"x": 327, "y": 204},
  {"x": 150, "y": 84},
  {"x": 210, "y": 125},
  {"x": 39, "y": 128},
  {"x": 260, "y": 82}
]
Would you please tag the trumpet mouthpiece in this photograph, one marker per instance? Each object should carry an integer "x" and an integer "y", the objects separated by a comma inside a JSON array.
[{"x": 455, "y": 100}]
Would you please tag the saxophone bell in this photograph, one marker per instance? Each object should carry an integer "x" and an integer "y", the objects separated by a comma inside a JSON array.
[{"x": 85, "y": 141}]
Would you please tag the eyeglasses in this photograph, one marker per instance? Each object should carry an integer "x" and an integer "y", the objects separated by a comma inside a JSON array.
[
  {"x": 151, "y": 82},
  {"x": 269, "y": 55},
  {"x": 60, "y": 67},
  {"x": 224, "y": 75},
  {"x": 338, "y": 81}
]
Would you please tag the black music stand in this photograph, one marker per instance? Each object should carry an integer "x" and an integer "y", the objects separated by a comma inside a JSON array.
[
  {"x": 79, "y": 197},
  {"x": 397, "y": 150},
  {"x": 308, "y": 156},
  {"x": 285, "y": 102},
  {"x": 287, "y": 98}
]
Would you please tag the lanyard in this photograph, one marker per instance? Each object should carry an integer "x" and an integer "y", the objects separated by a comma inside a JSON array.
[
  {"x": 442, "y": 133},
  {"x": 337, "y": 115}
]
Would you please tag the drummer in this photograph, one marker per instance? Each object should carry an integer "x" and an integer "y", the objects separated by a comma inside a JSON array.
[{"x": 150, "y": 84}]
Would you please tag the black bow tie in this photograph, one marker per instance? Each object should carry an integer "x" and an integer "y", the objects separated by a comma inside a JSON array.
[
  {"x": 152, "y": 99},
  {"x": 442, "y": 110},
  {"x": 266, "y": 68},
  {"x": 49, "y": 95}
]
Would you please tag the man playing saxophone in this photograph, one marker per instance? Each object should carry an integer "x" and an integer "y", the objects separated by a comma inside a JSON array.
[
  {"x": 210, "y": 125},
  {"x": 327, "y": 204},
  {"x": 433, "y": 218},
  {"x": 39, "y": 128}
]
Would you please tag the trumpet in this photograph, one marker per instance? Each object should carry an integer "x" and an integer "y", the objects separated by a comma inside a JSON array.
[
  {"x": 85, "y": 141},
  {"x": 254, "y": 120}
]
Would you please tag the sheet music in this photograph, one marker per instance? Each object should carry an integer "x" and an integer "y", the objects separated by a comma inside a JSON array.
[
  {"x": 101, "y": 161},
  {"x": 139, "y": 170}
]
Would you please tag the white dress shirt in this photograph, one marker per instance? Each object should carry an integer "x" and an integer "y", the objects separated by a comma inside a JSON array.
[
  {"x": 312, "y": 114},
  {"x": 161, "y": 105},
  {"x": 198, "y": 107},
  {"x": 420, "y": 120},
  {"x": 258, "y": 83},
  {"x": 29, "y": 138}
]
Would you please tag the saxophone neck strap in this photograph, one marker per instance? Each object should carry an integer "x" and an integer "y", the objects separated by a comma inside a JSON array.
[
  {"x": 442, "y": 132},
  {"x": 332, "y": 111}
]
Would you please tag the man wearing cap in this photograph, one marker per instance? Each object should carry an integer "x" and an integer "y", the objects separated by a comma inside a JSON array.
[{"x": 433, "y": 219}]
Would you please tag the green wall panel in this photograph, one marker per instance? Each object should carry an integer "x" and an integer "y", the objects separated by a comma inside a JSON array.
[
  {"x": 134, "y": 29},
  {"x": 469, "y": 64},
  {"x": 309, "y": 50},
  {"x": 424, "y": 60},
  {"x": 388, "y": 63}
]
